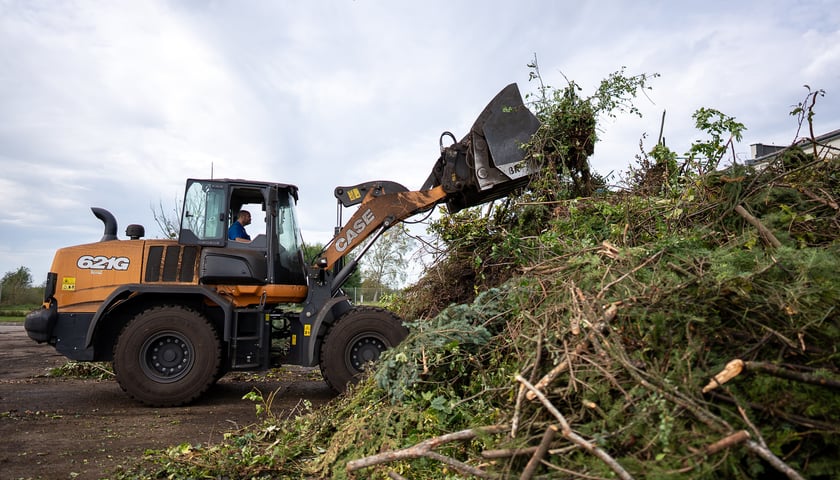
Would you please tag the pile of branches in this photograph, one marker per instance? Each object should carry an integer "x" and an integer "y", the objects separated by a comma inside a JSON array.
[{"x": 692, "y": 335}]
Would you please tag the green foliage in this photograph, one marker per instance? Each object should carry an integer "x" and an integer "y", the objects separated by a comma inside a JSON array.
[
  {"x": 722, "y": 130},
  {"x": 568, "y": 132},
  {"x": 16, "y": 288},
  {"x": 426, "y": 357},
  {"x": 313, "y": 251},
  {"x": 93, "y": 370}
]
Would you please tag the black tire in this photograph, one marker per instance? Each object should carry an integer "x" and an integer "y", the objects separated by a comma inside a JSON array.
[
  {"x": 356, "y": 338},
  {"x": 167, "y": 356}
]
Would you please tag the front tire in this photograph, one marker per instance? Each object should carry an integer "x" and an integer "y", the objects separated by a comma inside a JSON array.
[
  {"x": 167, "y": 356},
  {"x": 355, "y": 339}
]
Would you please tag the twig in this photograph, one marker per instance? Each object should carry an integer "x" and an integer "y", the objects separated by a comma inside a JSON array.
[
  {"x": 514, "y": 452},
  {"x": 765, "y": 233},
  {"x": 760, "y": 448},
  {"x": 425, "y": 449},
  {"x": 813, "y": 196},
  {"x": 565, "y": 361},
  {"x": 557, "y": 370},
  {"x": 573, "y": 437},
  {"x": 711, "y": 420},
  {"x": 750, "y": 424},
  {"x": 631, "y": 272}
]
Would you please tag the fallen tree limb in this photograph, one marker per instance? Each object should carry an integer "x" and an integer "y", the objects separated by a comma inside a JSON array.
[
  {"x": 573, "y": 437},
  {"x": 426, "y": 449},
  {"x": 730, "y": 371},
  {"x": 773, "y": 460},
  {"x": 763, "y": 231},
  {"x": 539, "y": 454}
]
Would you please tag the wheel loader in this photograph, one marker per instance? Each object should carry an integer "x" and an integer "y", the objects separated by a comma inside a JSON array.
[{"x": 175, "y": 315}]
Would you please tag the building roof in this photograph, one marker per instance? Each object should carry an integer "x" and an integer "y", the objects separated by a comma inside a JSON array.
[{"x": 827, "y": 143}]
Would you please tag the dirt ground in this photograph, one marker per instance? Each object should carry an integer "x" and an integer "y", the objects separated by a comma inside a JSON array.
[{"x": 54, "y": 428}]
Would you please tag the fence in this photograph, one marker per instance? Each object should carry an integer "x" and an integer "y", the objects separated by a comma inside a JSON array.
[{"x": 359, "y": 295}]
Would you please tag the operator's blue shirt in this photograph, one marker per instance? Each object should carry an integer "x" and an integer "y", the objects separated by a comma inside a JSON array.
[{"x": 237, "y": 231}]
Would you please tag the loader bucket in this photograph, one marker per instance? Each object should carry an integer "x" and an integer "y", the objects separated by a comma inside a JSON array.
[{"x": 488, "y": 163}]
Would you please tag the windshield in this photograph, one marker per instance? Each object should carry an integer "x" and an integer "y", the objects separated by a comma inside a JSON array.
[
  {"x": 288, "y": 234},
  {"x": 204, "y": 213}
]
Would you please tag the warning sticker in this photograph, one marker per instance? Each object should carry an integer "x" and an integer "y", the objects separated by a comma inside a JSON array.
[
  {"x": 307, "y": 330},
  {"x": 68, "y": 283},
  {"x": 354, "y": 194}
]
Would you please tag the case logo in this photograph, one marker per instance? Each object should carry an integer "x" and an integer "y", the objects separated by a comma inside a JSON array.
[
  {"x": 359, "y": 226},
  {"x": 99, "y": 262}
]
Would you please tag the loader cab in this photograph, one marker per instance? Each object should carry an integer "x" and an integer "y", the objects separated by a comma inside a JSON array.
[{"x": 273, "y": 256}]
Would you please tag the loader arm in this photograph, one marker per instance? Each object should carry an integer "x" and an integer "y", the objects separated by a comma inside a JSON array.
[
  {"x": 379, "y": 208},
  {"x": 486, "y": 164}
]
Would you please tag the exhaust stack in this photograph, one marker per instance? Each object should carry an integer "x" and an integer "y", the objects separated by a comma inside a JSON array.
[{"x": 109, "y": 221}]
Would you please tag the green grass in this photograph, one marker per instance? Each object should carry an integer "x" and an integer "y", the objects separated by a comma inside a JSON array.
[{"x": 15, "y": 313}]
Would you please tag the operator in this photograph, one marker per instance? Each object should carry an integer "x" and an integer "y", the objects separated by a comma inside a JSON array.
[{"x": 237, "y": 229}]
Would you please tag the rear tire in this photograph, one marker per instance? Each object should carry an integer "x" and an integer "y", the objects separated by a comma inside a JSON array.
[
  {"x": 356, "y": 338},
  {"x": 167, "y": 356}
]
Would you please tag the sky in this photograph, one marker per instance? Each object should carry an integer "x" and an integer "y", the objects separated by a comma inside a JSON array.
[{"x": 114, "y": 104}]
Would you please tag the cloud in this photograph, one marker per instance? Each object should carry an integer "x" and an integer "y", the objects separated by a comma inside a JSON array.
[{"x": 115, "y": 104}]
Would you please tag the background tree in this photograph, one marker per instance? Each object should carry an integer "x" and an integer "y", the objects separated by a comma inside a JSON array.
[
  {"x": 311, "y": 252},
  {"x": 386, "y": 263},
  {"x": 16, "y": 286},
  {"x": 169, "y": 223}
]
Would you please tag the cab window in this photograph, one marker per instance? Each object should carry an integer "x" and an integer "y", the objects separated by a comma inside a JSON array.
[{"x": 203, "y": 218}]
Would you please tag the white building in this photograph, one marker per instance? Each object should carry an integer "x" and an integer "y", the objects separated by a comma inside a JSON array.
[{"x": 828, "y": 144}]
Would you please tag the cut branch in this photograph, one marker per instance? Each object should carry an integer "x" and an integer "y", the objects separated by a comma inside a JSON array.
[
  {"x": 426, "y": 449},
  {"x": 764, "y": 232},
  {"x": 542, "y": 449},
  {"x": 727, "y": 442}
]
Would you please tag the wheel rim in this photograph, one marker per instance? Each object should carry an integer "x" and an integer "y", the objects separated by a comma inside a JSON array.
[
  {"x": 364, "y": 348},
  {"x": 166, "y": 357}
]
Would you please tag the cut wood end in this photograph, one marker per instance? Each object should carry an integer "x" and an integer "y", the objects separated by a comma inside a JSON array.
[{"x": 730, "y": 371}]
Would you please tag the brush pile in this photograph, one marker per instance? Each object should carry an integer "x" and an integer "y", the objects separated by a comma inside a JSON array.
[{"x": 691, "y": 335}]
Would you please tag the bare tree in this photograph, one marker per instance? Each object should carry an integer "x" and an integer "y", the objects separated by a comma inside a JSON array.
[{"x": 168, "y": 223}]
